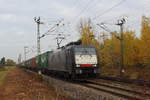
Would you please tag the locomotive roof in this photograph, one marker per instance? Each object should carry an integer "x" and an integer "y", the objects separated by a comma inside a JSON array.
[{"x": 78, "y": 46}]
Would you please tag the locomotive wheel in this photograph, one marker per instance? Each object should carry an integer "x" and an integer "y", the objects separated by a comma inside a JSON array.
[
  {"x": 73, "y": 76},
  {"x": 67, "y": 76}
]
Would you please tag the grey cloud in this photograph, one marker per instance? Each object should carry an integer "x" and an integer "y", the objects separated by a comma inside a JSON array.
[{"x": 18, "y": 28}]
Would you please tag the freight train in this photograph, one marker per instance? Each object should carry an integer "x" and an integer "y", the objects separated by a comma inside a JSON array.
[{"x": 73, "y": 61}]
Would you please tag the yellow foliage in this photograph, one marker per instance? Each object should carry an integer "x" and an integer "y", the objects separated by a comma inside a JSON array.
[
  {"x": 111, "y": 50},
  {"x": 136, "y": 50},
  {"x": 145, "y": 41},
  {"x": 87, "y": 36},
  {"x": 131, "y": 49}
]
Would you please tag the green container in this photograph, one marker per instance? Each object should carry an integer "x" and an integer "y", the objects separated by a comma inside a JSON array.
[
  {"x": 38, "y": 61},
  {"x": 42, "y": 60}
]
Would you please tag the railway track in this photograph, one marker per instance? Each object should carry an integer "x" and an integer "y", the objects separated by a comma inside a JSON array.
[
  {"x": 126, "y": 80},
  {"x": 118, "y": 91}
]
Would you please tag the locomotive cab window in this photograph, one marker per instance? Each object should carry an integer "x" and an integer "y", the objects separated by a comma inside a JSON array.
[{"x": 85, "y": 51}]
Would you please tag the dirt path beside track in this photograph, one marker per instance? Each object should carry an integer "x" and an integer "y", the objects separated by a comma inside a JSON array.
[{"x": 20, "y": 85}]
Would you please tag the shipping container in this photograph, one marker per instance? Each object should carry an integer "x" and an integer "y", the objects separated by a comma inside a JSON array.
[
  {"x": 44, "y": 59},
  {"x": 28, "y": 63},
  {"x": 38, "y": 61},
  {"x": 33, "y": 64}
]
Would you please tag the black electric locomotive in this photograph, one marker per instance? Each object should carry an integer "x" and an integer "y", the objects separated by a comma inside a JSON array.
[{"x": 74, "y": 61}]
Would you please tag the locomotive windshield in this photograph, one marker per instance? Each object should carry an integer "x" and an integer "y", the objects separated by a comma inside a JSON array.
[{"x": 85, "y": 51}]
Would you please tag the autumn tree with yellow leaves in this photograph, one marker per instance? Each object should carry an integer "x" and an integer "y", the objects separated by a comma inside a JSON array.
[
  {"x": 136, "y": 49},
  {"x": 87, "y": 35},
  {"x": 111, "y": 55},
  {"x": 145, "y": 42}
]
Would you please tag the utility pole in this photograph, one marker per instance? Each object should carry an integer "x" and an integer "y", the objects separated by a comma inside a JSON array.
[
  {"x": 25, "y": 53},
  {"x": 121, "y": 38},
  {"x": 103, "y": 37},
  {"x": 19, "y": 59},
  {"x": 121, "y": 23},
  {"x": 38, "y": 21}
]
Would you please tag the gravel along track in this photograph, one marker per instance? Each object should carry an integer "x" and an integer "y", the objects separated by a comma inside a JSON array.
[
  {"x": 144, "y": 90},
  {"x": 118, "y": 91}
]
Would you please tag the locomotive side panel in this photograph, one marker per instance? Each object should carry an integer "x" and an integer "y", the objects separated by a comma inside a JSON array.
[
  {"x": 69, "y": 60},
  {"x": 57, "y": 61}
]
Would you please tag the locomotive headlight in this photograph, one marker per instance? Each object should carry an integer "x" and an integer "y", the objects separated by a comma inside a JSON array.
[
  {"x": 94, "y": 65},
  {"x": 77, "y": 65}
]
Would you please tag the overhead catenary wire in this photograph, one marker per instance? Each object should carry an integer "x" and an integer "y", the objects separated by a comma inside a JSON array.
[
  {"x": 91, "y": 6},
  {"x": 82, "y": 10},
  {"x": 134, "y": 14},
  {"x": 108, "y": 10},
  {"x": 94, "y": 6},
  {"x": 52, "y": 29},
  {"x": 104, "y": 27},
  {"x": 77, "y": 16},
  {"x": 76, "y": 3},
  {"x": 59, "y": 35},
  {"x": 88, "y": 6}
]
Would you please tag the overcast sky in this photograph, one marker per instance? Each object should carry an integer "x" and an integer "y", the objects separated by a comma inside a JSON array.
[{"x": 18, "y": 29}]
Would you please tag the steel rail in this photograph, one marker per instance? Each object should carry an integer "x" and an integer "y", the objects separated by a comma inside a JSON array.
[{"x": 125, "y": 93}]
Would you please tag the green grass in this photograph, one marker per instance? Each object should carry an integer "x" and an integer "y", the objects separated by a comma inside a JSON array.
[{"x": 3, "y": 73}]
